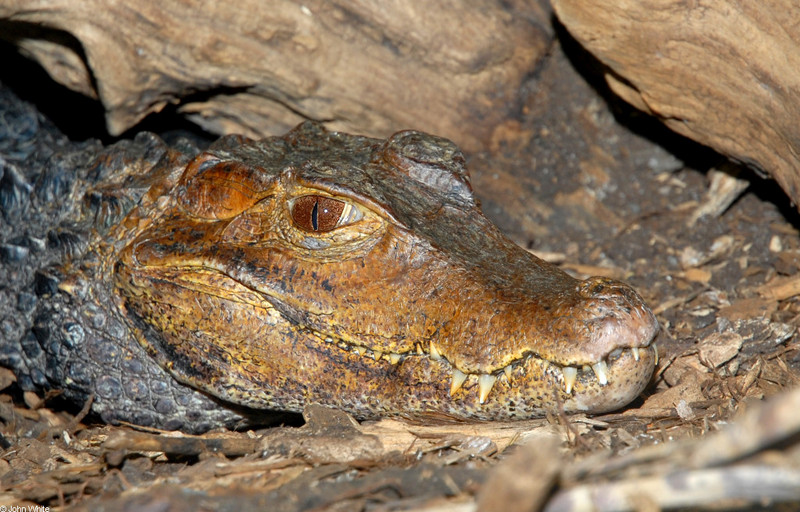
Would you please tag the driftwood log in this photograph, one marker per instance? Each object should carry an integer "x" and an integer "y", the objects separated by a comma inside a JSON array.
[
  {"x": 726, "y": 74},
  {"x": 259, "y": 68}
]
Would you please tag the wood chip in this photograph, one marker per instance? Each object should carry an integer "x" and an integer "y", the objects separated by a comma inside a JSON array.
[
  {"x": 780, "y": 289},
  {"x": 523, "y": 481},
  {"x": 719, "y": 348},
  {"x": 697, "y": 275},
  {"x": 594, "y": 270},
  {"x": 724, "y": 187},
  {"x": 749, "y": 308},
  {"x": 555, "y": 258},
  {"x": 7, "y": 378}
]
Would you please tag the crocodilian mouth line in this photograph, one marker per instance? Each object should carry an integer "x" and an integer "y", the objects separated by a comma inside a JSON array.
[{"x": 566, "y": 375}]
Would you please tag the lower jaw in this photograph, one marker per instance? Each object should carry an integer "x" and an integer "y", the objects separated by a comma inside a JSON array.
[
  {"x": 535, "y": 389},
  {"x": 421, "y": 387}
]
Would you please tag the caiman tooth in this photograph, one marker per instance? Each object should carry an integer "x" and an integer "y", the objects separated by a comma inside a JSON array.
[
  {"x": 570, "y": 376},
  {"x": 507, "y": 371},
  {"x": 434, "y": 353},
  {"x": 601, "y": 371},
  {"x": 377, "y": 355},
  {"x": 458, "y": 380},
  {"x": 360, "y": 350},
  {"x": 655, "y": 353},
  {"x": 419, "y": 349},
  {"x": 485, "y": 383},
  {"x": 635, "y": 351},
  {"x": 394, "y": 358}
]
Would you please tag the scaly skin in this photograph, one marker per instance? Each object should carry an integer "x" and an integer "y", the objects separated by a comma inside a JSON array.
[
  {"x": 376, "y": 316},
  {"x": 198, "y": 275}
]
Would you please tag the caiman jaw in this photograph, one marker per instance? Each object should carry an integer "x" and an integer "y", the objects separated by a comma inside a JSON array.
[{"x": 566, "y": 376}]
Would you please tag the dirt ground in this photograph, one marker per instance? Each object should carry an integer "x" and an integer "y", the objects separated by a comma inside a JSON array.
[{"x": 585, "y": 182}]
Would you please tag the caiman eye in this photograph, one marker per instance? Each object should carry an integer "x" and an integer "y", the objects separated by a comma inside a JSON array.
[{"x": 322, "y": 213}]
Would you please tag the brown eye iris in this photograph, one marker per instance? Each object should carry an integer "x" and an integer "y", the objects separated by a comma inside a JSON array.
[{"x": 318, "y": 213}]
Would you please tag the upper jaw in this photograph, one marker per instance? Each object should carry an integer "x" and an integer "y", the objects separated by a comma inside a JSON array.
[{"x": 629, "y": 357}]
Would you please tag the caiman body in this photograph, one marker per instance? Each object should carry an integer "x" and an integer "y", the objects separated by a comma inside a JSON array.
[{"x": 184, "y": 290}]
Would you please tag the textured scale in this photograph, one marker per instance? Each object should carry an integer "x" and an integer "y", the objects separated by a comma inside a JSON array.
[{"x": 186, "y": 289}]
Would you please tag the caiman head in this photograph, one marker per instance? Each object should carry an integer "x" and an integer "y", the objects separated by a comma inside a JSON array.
[{"x": 360, "y": 273}]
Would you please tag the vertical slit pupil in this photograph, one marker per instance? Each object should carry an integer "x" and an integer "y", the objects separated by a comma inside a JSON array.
[
  {"x": 314, "y": 213},
  {"x": 318, "y": 213}
]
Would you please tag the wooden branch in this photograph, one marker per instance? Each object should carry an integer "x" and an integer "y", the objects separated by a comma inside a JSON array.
[
  {"x": 726, "y": 74},
  {"x": 261, "y": 67}
]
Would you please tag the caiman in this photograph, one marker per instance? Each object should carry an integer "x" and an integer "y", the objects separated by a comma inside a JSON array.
[{"x": 186, "y": 289}]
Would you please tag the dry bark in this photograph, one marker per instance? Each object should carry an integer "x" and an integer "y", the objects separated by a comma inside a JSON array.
[
  {"x": 261, "y": 67},
  {"x": 726, "y": 74}
]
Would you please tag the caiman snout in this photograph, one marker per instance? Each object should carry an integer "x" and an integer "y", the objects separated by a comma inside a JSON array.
[
  {"x": 620, "y": 321},
  {"x": 535, "y": 335},
  {"x": 620, "y": 332}
]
